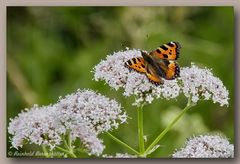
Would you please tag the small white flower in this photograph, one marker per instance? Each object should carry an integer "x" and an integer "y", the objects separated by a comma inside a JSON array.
[
  {"x": 83, "y": 115},
  {"x": 207, "y": 146}
]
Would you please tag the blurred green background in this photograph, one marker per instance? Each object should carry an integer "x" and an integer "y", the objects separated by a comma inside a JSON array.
[{"x": 51, "y": 52}]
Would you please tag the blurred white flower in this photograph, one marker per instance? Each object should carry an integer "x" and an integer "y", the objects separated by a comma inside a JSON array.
[
  {"x": 119, "y": 155},
  {"x": 201, "y": 84},
  {"x": 36, "y": 125},
  {"x": 83, "y": 115},
  {"x": 198, "y": 83},
  {"x": 206, "y": 146}
]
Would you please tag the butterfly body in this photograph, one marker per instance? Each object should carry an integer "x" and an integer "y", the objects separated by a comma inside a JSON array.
[{"x": 158, "y": 64}]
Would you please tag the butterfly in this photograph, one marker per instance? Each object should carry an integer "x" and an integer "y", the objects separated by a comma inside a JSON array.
[{"x": 158, "y": 64}]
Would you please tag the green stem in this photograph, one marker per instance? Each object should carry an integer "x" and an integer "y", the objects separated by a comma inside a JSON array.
[
  {"x": 65, "y": 142},
  {"x": 46, "y": 154},
  {"x": 67, "y": 152},
  {"x": 68, "y": 146},
  {"x": 69, "y": 141},
  {"x": 122, "y": 143},
  {"x": 162, "y": 134},
  {"x": 62, "y": 149},
  {"x": 140, "y": 131}
]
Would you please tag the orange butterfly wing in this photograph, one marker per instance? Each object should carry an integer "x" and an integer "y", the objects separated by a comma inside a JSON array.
[
  {"x": 170, "y": 68},
  {"x": 169, "y": 51},
  {"x": 173, "y": 71},
  {"x": 136, "y": 64}
]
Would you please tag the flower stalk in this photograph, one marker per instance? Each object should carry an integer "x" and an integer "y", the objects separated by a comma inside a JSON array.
[
  {"x": 46, "y": 154},
  {"x": 68, "y": 145},
  {"x": 122, "y": 143},
  {"x": 169, "y": 127},
  {"x": 71, "y": 154},
  {"x": 140, "y": 131}
]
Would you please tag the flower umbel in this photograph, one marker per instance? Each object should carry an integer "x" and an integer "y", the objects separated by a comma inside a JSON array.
[
  {"x": 36, "y": 125},
  {"x": 194, "y": 82},
  {"x": 101, "y": 113},
  {"x": 208, "y": 146},
  {"x": 83, "y": 115},
  {"x": 201, "y": 84}
]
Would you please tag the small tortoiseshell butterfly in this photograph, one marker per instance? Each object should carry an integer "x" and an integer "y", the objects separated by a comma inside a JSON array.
[{"x": 158, "y": 64}]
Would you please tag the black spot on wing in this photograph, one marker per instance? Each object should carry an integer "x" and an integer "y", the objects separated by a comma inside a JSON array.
[
  {"x": 134, "y": 60},
  {"x": 129, "y": 62},
  {"x": 163, "y": 47},
  {"x": 148, "y": 71},
  {"x": 165, "y": 55},
  {"x": 138, "y": 59},
  {"x": 166, "y": 62},
  {"x": 143, "y": 65},
  {"x": 158, "y": 51}
]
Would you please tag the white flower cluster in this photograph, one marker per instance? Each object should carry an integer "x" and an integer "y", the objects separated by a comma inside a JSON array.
[
  {"x": 94, "y": 112},
  {"x": 119, "y": 155},
  {"x": 195, "y": 82},
  {"x": 36, "y": 125},
  {"x": 200, "y": 83},
  {"x": 207, "y": 146},
  {"x": 83, "y": 115}
]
